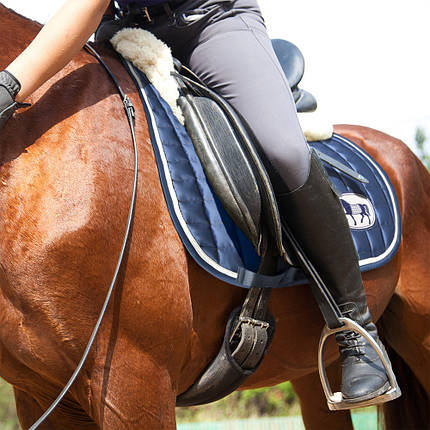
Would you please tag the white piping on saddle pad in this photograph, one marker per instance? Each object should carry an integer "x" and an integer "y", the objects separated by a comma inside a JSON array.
[{"x": 152, "y": 57}]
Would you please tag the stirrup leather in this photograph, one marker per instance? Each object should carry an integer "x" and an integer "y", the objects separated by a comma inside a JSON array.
[{"x": 335, "y": 401}]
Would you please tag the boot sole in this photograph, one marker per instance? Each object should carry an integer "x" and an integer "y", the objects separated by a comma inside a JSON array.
[
  {"x": 371, "y": 395},
  {"x": 337, "y": 403}
]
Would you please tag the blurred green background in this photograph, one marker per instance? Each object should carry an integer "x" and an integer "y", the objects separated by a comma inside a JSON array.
[
  {"x": 8, "y": 420},
  {"x": 264, "y": 402}
]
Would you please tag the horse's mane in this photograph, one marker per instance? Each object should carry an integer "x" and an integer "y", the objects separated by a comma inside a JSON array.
[
  {"x": 17, "y": 32},
  {"x": 4, "y": 10}
]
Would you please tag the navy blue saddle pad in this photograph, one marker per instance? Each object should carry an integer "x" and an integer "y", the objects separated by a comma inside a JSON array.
[{"x": 213, "y": 239}]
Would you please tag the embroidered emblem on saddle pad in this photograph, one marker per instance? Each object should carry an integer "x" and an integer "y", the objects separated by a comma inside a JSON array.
[
  {"x": 359, "y": 211},
  {"x": 209, "y": 234}
]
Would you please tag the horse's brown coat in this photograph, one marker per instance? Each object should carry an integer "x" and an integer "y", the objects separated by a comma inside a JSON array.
[{"x": 65, "y": 183}]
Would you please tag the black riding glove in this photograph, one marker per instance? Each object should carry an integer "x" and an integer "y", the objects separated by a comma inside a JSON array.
[{"x": 9, "y": 88}]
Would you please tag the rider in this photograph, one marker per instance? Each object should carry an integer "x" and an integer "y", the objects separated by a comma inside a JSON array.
[{"x": 225, "y": 43}]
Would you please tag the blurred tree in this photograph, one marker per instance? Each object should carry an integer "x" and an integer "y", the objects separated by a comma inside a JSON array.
[
  {"x": 8, "y": 419},
  {"x": 279, "y": 400},
  {"x": 420, "y": 140}
]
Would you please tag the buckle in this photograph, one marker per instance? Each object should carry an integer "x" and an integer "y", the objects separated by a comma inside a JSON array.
[
  {"x": 335, "y": 401},
  {"x": 253, "y": 322},
  {"x": 146, "y": 14},
  {"x": 250, "y": 322}
]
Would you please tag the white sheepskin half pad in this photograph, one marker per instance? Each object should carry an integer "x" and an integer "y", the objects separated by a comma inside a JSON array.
[
  {"x": 314, "y": 127},
  {"x": 152, "y": 57}
]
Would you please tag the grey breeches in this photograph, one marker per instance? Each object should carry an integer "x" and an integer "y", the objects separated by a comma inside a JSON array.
[{"x": 227, "y": 46}]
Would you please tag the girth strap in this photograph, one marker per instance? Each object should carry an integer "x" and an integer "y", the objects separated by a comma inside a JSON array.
[{"x": 254, "y": 328}]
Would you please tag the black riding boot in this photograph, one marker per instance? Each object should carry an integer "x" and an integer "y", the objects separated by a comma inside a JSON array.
[
  {"x": 9, "y": 88},
  {"x": 318, "y": 222}
]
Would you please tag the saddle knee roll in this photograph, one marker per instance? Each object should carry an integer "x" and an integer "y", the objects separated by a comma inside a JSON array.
[{"x": 224, "y": 162}]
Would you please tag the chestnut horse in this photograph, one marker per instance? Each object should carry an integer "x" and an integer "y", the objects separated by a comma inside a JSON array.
[{"x": 65, "y": 183}]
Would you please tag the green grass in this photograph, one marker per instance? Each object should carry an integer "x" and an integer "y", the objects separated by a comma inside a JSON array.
[
  {"x": 8, "y": 419},
  {"x": 230, "y": 412},
  {"x": 263, "y": 402}
]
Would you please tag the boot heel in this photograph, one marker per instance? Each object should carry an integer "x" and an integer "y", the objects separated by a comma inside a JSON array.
[{"x": 336, "y": 401}]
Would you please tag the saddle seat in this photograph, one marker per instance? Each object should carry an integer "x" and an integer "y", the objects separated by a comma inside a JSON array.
[{"x": 293, "y": 65}]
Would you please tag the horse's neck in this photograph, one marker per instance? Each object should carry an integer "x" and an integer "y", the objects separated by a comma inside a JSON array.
[{"x": 16, "y": 33}]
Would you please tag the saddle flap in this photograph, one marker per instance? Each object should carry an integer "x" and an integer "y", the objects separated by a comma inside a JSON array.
[
  {"x": 224, "y": 163},
  {"x": 210, "y": 111}
]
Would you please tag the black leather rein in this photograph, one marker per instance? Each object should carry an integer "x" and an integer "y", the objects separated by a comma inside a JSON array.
[{"x": 129, "y": 110}]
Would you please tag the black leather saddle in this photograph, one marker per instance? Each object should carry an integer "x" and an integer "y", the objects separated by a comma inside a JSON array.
[{"x": 293, "y": 65}]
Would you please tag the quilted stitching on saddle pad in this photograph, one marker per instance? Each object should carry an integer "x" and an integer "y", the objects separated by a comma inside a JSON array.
[{"x": 208, "y": 232}]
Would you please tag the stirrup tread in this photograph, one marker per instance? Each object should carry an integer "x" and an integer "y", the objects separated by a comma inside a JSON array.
[{"x": 336, "y": 401}]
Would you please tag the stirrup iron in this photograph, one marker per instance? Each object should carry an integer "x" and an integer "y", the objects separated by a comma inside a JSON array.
[{"x": 335, "y": 401}]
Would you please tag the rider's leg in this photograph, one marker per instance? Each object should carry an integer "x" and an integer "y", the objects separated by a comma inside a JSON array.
[
  {"x": 234, "y": 56},
  {"x": 315, "y": 215},
  {"x": 55, "y": 45}
]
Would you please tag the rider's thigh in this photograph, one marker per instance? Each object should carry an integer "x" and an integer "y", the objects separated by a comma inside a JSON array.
[{"x": 233, "y": 55}]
